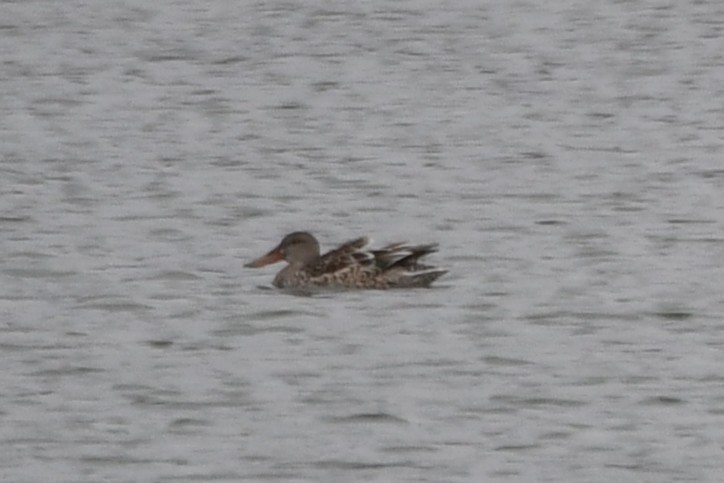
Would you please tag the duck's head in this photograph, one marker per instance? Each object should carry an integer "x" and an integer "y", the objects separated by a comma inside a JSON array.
[{"x": 296, "y": 248}]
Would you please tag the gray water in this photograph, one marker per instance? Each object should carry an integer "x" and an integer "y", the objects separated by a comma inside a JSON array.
[{"x": 567, "y": 156}]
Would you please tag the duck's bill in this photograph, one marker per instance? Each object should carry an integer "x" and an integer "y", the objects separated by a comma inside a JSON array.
[{"x": 271, "y": 257}]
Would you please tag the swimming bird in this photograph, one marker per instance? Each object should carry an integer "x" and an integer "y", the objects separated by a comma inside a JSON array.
[{"x": 351, "y": 265}]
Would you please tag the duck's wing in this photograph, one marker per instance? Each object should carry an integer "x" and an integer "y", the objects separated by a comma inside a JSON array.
[
  {"x": 402, "y": 255},
  {"x": 400, "y": 265},
  {"x": 346, "y": 255}
]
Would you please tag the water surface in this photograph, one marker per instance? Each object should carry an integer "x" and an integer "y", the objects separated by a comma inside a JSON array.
[{"x": 567, "y": 158}]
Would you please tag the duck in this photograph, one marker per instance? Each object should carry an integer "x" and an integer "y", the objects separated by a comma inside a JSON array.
[{"x": 352, "y": 265}]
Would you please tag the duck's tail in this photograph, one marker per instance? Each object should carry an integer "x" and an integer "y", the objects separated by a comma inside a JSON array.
[{"x": 422, "y": 277}]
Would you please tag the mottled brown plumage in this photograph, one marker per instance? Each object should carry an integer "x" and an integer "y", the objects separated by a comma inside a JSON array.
[{"x": 350, "y": 265}]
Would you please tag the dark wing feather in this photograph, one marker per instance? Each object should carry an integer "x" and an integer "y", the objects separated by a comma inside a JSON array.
[
  {"x": 402, "y": 256},
  {"x": 347, "y": 254}
]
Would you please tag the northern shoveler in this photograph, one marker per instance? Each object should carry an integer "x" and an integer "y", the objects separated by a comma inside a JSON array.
[{"x": 350, "y": 265}]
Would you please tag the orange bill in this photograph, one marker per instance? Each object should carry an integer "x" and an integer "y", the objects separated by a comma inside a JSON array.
[{"x": 271, "y": 257}]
